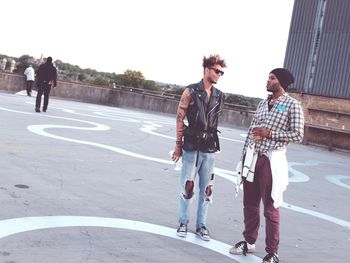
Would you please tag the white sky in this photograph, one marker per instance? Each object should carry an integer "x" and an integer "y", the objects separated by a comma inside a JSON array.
[{"x": 164, "y": 39}]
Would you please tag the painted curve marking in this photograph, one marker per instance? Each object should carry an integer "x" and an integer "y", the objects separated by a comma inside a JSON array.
[
  {"x": 229, "y": 175},
  {"x": 224, "y": 173},
  {"x": 337, "y": 180},
  {"x": 19, "y": 225}
]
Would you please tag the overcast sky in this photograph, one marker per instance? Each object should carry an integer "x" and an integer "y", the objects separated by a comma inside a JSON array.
[{"x": 164, "y": 39}]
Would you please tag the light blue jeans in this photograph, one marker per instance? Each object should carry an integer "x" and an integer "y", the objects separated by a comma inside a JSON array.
[{"x": 193, "y": 163}]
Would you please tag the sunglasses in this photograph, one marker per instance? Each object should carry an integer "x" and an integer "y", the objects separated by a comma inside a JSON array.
[{"x": 217, "y": 71}]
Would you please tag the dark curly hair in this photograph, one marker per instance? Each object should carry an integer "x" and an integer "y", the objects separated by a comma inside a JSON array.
[{"x": 213, "y": 60}]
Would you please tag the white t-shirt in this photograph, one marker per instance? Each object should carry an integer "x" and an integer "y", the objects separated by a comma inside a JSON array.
[{"x": 29, "y": 72}]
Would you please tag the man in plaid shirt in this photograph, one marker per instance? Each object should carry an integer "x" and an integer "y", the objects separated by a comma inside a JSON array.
[{"x": 278, "y": 121}]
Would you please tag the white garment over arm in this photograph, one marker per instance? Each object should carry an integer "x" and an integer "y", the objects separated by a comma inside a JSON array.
[{"x": 279, "y": 170}]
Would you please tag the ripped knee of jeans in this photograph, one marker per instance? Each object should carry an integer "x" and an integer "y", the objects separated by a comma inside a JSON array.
[
  {"x": 209, "y": 189},
  {"x": 189, "y": 185}
]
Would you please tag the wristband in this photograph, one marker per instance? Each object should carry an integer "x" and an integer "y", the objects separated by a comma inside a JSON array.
[
  {"x": 179, "y": 143},
  {"x": 270, "y": 134}
]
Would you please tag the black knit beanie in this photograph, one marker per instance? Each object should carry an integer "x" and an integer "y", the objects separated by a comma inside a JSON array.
[{"x": 284, "y": 76}]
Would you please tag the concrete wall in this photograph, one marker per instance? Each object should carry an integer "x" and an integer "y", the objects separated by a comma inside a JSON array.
[
  {"x": 11, "y": 82},
  {"x": 124, "y": 98},
  {"x": 327, "y": 120}
]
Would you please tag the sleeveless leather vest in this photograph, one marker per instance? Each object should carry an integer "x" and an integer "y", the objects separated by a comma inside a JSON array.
[{"x": 202, "y": 116}]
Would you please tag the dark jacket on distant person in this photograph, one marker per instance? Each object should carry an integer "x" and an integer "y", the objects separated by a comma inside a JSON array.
[{"x": 47, "y": 74}]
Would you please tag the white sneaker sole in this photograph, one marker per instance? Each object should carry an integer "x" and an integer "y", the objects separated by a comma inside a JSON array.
[
  {"x": 234, "y": 251},
  {"x": 205, "y": 238},
  {"x": 181, "y": 234}
]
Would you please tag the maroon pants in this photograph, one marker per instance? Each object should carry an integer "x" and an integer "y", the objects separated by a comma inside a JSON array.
[{"x": 254, "y": 192}]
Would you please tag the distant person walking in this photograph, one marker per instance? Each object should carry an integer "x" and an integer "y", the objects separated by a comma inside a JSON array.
[
  {"x": 30, "y": 76},
  {"x": 277, "y": 121},
  {"x": 201, "y": 103},
  {"x": 46, "y": 78}
]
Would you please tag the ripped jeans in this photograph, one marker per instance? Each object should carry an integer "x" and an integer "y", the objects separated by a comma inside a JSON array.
[{"x": 193, "y": 163}]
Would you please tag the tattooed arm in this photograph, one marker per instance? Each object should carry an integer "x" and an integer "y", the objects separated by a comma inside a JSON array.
[{"x": 180, "y": 125}]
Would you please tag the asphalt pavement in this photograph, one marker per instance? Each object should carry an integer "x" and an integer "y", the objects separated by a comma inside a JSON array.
[{"x": 91, "y": 183}]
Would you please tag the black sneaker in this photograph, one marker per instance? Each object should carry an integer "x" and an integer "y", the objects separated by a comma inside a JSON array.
[
  {"x": 37, "y": 109},
  {"x": 203, "y": 233},
  {"x": 271, "y": 258},
  {"x": 182, "y": 230}
]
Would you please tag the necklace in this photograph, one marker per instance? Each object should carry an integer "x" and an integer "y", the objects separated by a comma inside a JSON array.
[{"x": 272, "y": 101}]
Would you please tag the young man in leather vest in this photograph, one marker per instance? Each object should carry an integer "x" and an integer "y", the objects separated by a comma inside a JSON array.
[{"x": 201, "y": 103}]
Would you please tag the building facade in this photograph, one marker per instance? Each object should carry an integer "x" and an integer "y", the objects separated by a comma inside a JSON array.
[{"x": 318, "y": 53}]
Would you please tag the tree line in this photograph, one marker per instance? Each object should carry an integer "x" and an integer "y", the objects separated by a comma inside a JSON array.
[{"x": 130, "y": 78}]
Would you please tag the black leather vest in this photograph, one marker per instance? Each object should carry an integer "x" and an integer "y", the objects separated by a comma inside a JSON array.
[{"x": 202, "y": 116}]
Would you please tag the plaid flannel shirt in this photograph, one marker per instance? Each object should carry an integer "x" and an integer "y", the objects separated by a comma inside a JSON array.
[{"x": 285, "y": 120}]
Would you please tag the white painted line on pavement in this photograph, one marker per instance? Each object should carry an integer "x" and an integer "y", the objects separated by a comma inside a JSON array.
[
  {"x": 337, "y": 180},
  {"x": 328, "y": 218},
  {"x": 39, "y": 129},
  {"x": 229, "y": 175},
  {"x": 19, "y": 225}
]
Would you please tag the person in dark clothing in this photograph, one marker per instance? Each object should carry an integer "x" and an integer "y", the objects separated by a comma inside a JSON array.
[
  {"x": 201, "y": 103},
  {"x": 46, "y": 78},
  {"x": 263, "y": 167}
]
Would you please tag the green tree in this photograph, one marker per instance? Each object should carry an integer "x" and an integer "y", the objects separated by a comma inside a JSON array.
[
  {"x": 100, "y": 81},
  {"x": 130, "y": 78},
  {"x": 242, "y": 100},
  {"x": 133, "y": 74},
  {"x": 175, "y": 89},
  {"x": 83, "y": 77},
  {"x": 23, "y": 62},
  {"x": 150, "y": 85}
]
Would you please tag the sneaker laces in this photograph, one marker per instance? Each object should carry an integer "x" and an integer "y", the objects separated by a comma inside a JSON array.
[
  {"x": 183, "y": 228},
  {"x": 242, "y": 245},
  {"x": 203, "y": 231}
]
